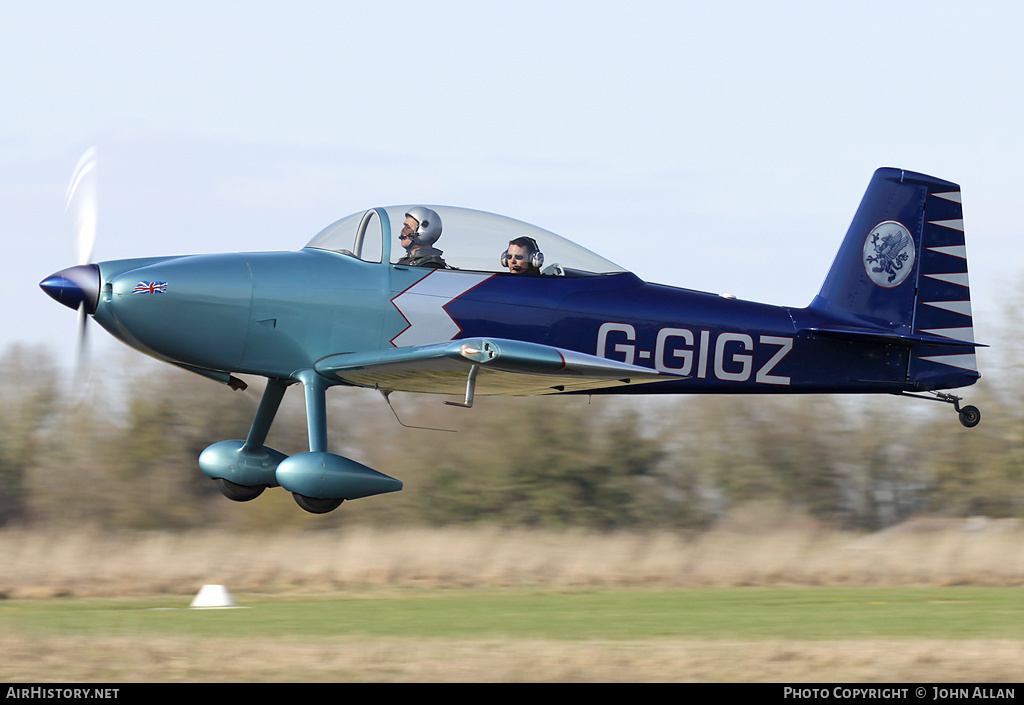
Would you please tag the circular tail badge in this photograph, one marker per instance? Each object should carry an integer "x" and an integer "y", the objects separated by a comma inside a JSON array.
[{"x": 889, "y": 254}]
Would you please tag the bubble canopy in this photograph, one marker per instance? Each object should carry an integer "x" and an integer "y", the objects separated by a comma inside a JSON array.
[{"x": 470, "y": 240}]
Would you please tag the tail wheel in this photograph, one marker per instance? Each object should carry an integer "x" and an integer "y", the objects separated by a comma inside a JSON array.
[
  {"x": 970, "y": 416},
  {"x": 317, "y": 505}
]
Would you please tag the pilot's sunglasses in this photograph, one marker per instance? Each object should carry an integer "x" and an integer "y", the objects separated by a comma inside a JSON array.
[{"x": 517, "y": 257}]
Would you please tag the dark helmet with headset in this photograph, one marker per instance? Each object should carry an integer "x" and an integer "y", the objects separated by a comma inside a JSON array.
[{"x": 536, "y": 259}]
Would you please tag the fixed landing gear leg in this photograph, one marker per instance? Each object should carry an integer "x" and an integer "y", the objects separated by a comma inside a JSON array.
[
  {"x": 243, "y": 469},
  {"x": 318, "y": 480},
  {"x": 269, "y": 404},
  {"x": 316, "y": 412}
]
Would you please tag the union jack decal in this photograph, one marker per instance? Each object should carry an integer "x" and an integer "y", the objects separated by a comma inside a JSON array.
[{"x": 150, "y": 288}]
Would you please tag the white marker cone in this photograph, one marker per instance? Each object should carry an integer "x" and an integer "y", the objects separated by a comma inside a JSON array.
[{"x": 213, "y": 596}]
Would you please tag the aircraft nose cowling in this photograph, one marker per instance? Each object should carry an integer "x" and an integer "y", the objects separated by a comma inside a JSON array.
[
  {"x": 192, "y": 309},
  {"x": 75, "y": 286}
]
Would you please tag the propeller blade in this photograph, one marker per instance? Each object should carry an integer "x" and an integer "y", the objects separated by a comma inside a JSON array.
[
  {"x": 82, "y": 363},
  {"x": 81, "y": 199},
  {"x": 81, "y": 290}
]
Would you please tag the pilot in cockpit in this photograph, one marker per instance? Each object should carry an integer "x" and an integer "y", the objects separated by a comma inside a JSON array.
[
  {"x": 421, "y": 230},
  {"x": 523, "y": 256}
]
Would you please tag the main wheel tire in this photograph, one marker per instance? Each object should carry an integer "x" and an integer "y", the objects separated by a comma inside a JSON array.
[
  {"x": 317, "y": 505},
  {"x": 970, "y": 416},
  {"x": 238, "y": 493}
]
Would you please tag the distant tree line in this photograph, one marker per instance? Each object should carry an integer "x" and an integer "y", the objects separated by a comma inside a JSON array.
[{"x": 122, "y": 452}]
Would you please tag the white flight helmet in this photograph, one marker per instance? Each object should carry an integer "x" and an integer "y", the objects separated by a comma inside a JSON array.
[{"x": 429, "y": 229}]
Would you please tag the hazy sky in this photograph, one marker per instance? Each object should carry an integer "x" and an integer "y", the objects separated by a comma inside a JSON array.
[{"x": 718, "y": 146}]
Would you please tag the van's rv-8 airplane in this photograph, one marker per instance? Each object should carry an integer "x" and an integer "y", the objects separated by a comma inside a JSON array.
[{"x": 893, "y": 316}]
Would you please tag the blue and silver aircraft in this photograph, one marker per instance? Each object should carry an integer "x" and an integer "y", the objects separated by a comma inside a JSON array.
[{"x": 459, "y": 302}]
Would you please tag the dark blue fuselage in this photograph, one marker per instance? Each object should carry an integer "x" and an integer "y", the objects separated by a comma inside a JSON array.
[{"x": 721, "y": 345}]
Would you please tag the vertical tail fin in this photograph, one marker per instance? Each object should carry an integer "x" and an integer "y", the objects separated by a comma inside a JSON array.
[{"x": 901, "y": 276}]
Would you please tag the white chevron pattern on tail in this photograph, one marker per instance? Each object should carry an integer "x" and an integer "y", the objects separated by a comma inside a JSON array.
[
  {"x": 964, "y": 362},
  {"x": 961, "y": 307},
  {"x": 953, "y": 251},
  {"x": 953, "y": 271}
]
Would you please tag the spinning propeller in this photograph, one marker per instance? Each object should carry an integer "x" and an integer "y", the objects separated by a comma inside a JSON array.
[{"x": 78, "y": 287}]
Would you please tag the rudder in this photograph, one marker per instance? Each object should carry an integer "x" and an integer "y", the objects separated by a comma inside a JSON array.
[{"x": 943, "y": 299}]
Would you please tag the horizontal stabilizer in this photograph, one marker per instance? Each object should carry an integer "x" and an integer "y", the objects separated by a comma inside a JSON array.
[{"x": 886, "y": 336}]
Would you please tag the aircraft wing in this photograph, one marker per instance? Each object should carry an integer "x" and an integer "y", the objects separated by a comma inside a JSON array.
[{"x": 505, "y": 367}]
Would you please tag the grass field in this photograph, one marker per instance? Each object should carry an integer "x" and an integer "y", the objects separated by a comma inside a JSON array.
[{"x": 486, "y": 605}]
